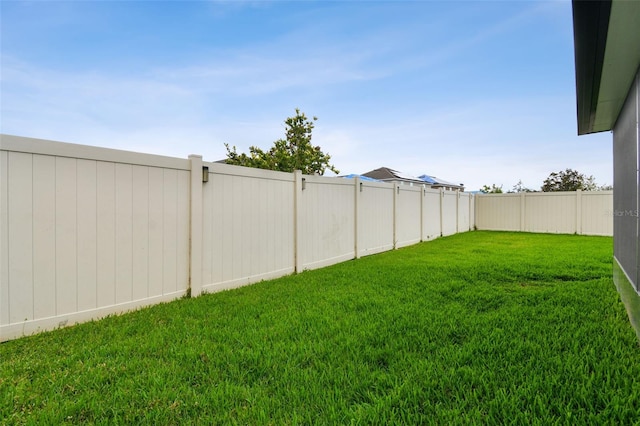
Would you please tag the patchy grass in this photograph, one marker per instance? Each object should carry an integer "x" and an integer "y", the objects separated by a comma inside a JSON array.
[{"x": 482, "y": 327}]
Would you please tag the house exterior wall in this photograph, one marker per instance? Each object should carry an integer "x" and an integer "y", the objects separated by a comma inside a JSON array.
[
  {"x": 607, "y": 58},
  {"x": 626, "y": 157}
]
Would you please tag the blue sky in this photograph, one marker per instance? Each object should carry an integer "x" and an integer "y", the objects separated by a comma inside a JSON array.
[{"x": 477, "y": 92}]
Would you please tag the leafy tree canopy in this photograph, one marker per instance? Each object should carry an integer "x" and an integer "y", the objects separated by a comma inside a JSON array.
[
  {"x": 519, "y": 187},
  {"x": 493, "y": 189},
  {"x": 568, "y": 180},
  {"x": 295, "y": 152}
]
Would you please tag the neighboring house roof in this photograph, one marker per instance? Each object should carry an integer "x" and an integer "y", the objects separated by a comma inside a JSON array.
[
  {"x": 386, "y": 174},
  {"x": 429, "y": 179},
  {"x": 364, "y": 178},
  {"x": 607, "y": 58},
  {"x": 434, "y": 181}
]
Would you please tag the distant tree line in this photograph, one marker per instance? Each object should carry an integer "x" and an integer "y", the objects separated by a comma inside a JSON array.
[{"x": 564, "y": 180}]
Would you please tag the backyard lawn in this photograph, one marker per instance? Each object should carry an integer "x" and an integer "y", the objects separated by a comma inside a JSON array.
[{"x": 476, "y": 328}]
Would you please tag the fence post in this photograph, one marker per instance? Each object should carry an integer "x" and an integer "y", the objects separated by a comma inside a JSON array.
[
  {"x": 297, "y": 214},
  {"x": 441, "y": 210},
  {"x": 472, "y": 197},
  {"x": 579, "y": 212},
  {"x": 423, "y": 198},
  {"x": 472, "y": 209},
  {"x": 356, "y": 204},
  {"x": 457, "y": 211},
  {"x": 396, "y": 193},
  {"x": 522, "y": 211},
  {"x": 195, "y": 225}
]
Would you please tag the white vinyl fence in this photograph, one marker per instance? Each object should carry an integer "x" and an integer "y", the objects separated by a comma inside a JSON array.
[
  {"x": 584, "y": 213},
  {"x": 87, "y": 231}
]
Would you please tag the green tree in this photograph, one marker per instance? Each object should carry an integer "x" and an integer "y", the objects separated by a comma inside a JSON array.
[
  {"x": 294, "y": 152},
  {"x": 519, "y": 187},
  {"x": 568, "y": 180},
  {"x": 493, "y": 189}
]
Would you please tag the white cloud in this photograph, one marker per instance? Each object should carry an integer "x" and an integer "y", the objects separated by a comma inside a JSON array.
[{"x": 242, "y": 96}]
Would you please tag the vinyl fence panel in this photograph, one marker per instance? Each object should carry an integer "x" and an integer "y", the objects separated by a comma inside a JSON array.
[
  {"x": 449, "y": 212},
  {"x": 408, "y": 215},
  {"x": 4, "y": 242},
  {"x": 375, "y": 217},
  {"x": 248, "y": 226},
  {"x": 431, "y": 210},
  {"x": 87, "y": 231},
  {"x": 327, "y": 222},
  {"x": 20, "y": 237},
  {"x": 550, "y": 212},
  {"x": 78, "y": 232},
  {"x": 498, "y": 212},
  {"x": 464, "y": 222},
  {"x": 106, "y": 234},
  {"x": 589, "y": 213},
  {"x": 44, "y": 241},
  {"x": 597, "y": 213}
]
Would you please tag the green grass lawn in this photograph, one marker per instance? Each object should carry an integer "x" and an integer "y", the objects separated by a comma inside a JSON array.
[{"x": 481, "y": 327}]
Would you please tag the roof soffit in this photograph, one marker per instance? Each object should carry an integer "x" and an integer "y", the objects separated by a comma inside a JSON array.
[{"x": 621, "y": 62}]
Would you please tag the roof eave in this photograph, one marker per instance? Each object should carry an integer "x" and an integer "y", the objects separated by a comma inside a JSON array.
[
  {"x": 607, "y": 57},
  {"x": 590, "y": 26}
]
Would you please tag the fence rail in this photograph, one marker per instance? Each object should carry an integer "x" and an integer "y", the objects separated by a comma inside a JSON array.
[{"x": 86, "y": 231}]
